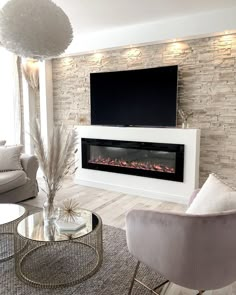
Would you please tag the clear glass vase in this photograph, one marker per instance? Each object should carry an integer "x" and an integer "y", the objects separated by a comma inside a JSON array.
[
  {"x": 185, "y": 124},
  {"x": 50, "y": 211},
  {"x": 49, "y": 231}
]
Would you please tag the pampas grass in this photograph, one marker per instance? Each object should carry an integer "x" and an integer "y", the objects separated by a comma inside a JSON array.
[
  {"x": 56, "y": 160},
  {"x": 30, "y": 70}
]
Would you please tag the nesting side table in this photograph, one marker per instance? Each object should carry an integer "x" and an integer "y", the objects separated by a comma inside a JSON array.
[
  {"x": 51, "y": 259},
  {"x": 10, "y": 215}
]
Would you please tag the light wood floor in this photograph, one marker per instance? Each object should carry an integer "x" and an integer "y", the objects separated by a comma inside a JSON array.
[{"x": 112, "y": 207}]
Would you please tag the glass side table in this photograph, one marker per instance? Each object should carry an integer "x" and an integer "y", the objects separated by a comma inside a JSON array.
[
  {"x": 10, "y": 215},
  {"x": 52, "y": 259}
]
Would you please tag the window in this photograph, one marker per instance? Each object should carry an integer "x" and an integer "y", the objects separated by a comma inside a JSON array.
[{"x": 9, "y": 98}]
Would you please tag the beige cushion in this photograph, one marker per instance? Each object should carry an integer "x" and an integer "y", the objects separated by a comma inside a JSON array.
[
  {"x": 2, "y": 142},
  {"x": 214, "y": 197},
  {"x": 12, "y": 179},
  {"x": 10, "y": 158}
]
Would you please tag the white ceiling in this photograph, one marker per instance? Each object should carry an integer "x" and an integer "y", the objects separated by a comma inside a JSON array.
[
  {"x": 102, "y": 24},
  {"x": 95, "y": 15}
]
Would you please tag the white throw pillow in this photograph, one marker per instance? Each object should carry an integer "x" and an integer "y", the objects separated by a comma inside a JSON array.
[
  {"x": 10, "y": 158},
  {"x": 214, "y": 197}
]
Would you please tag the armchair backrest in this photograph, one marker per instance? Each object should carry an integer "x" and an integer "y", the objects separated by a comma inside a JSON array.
[{"x": 194, "y": 251}]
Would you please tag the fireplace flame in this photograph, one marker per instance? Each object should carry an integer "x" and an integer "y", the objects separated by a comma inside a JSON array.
[{"x": 132, "y": 164}]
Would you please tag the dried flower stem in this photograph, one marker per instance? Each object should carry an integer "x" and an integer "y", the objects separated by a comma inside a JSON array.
[
  {"x": 56, "y": 160},
  {"x": 184, "y": 116}
]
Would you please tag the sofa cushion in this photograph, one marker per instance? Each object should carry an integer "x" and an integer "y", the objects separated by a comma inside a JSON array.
[
  {"x": 10, "y": 158},
  {"x": 12, "y": 179},
  {"x": 215, "y": 196},
  {"x": 2, "y": 142}
]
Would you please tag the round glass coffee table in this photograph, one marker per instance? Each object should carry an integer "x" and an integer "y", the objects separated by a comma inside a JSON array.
[
  {"x": 52, "y": 259},
  {"x": 10, "y": 215}
]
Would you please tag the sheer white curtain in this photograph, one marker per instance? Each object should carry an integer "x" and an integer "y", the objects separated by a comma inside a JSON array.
[{"x": 10, "y": 122}]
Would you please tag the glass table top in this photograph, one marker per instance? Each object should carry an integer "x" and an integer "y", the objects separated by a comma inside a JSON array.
[
  {"x": 10, "y": 212},
  {"x": 34, "y": 228}
]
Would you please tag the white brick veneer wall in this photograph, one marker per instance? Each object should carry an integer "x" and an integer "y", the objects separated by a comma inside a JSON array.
[{"x": 207, "y": 86}]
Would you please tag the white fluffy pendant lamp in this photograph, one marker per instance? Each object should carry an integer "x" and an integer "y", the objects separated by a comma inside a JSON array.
[{"x": 34, "y": 28}]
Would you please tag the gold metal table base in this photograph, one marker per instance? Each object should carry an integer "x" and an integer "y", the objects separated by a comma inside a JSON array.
[
  {"x": 55, "y": 260},
  {"x": 25, "y": 277},
  {"x": 12, "y": 254},
  {"x": 7, "y": 231}
]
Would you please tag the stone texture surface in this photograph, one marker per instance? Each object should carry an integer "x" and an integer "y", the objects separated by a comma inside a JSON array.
[{"x": 207, "y": 87}]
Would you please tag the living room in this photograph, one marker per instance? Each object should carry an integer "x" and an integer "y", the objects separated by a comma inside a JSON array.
[{"x": 117, "y": 131}]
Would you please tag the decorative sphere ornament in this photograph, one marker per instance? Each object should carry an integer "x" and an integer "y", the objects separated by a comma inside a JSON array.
[{"x": 34, "y": 28}]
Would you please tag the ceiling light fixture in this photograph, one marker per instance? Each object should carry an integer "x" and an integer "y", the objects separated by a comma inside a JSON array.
[{"x": 37, "y": 29}]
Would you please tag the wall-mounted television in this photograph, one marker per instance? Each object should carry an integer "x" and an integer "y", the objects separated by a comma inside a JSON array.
[{"x": 146, "y": 97}]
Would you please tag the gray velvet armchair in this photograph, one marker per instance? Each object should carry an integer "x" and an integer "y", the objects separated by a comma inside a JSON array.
[
  {"x": 194, "y": 251},
  {"x": 19, "y": 185}
]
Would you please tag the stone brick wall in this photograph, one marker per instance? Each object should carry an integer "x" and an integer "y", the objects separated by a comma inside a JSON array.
[{"x": 207, "y": 87}]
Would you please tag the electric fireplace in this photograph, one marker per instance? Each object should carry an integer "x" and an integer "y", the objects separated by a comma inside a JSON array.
[{"x": 148, "y": 159}]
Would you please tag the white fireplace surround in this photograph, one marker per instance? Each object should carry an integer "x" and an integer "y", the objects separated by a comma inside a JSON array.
[{"x": 138, "y": 185}]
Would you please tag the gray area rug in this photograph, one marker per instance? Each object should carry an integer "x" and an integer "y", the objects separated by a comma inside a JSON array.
[{"x": 114, "y": 276}]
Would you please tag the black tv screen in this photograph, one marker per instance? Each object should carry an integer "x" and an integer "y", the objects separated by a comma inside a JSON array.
[{"x": 145, "y": 97}]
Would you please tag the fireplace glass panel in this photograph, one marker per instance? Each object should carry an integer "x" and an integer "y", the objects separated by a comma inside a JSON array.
[
  {"x": 147, "y": 159},
  {"x": 144, "y": 159}
]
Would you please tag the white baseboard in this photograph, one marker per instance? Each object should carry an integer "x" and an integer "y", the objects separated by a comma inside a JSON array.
[{"x": 132, "y": 191}]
